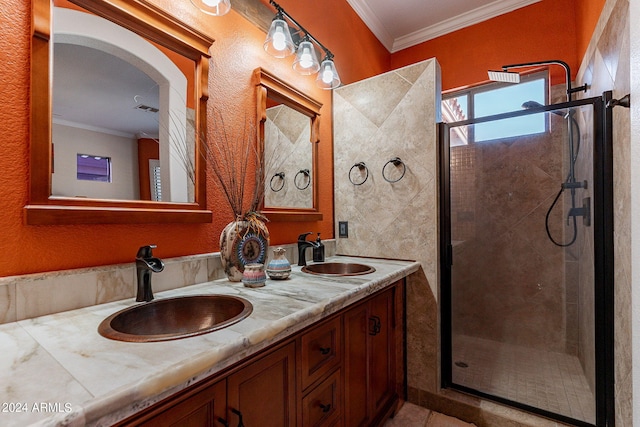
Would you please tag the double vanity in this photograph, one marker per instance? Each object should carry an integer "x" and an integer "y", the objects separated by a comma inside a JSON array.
[{"x": 309, "y": 353}]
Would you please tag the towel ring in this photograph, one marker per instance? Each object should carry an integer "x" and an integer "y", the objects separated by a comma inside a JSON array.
[
  {"x": 277, "y": 175},
  {"x": 306, "y": 173},
  {"x": 361, "y": 166},
  {"x": 396, "y": 162}
]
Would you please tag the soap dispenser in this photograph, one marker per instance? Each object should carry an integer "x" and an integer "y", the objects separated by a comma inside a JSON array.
[{"x": 318, "y": 250}]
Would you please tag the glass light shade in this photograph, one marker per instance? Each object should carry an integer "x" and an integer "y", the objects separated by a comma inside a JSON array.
[
  {"x": 328, "y": 75},
  {"x": 213, "y": 7},
  {"x": 306, "y": 61},
  {"x": 279, "y": 42}
]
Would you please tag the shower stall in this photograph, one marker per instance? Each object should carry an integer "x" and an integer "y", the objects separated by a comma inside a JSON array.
[{"x": 527, "y": 260}]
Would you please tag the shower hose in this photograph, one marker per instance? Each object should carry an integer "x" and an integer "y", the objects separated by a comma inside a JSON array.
[{"x": 570, "y": 179}]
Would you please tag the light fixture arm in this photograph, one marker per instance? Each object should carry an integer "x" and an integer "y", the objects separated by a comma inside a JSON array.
[
  {"x": 307, "y": 34},
  {"x": 563, "y": 64}
]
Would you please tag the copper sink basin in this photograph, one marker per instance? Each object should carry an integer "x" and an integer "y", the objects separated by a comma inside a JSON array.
[
  {"x": 174, "y": 318},
  {"x": 338, "y": 269}
]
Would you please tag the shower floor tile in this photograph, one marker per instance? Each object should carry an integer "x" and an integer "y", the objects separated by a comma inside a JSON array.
[{"x": 547, "y": 380}]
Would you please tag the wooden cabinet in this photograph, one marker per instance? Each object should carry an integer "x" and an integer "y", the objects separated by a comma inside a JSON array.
[
  {"x": 342, "y": 371},
  {"x": 369, "y": 360},
  {"x": 264, "y": 392},
  {"x": 200, "y": 407}
]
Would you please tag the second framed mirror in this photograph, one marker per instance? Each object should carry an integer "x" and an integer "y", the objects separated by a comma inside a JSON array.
[{"x": 288, "y": 137}]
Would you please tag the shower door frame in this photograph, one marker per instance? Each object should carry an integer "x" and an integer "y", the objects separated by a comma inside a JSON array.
[{"x": 602, "y": 158}]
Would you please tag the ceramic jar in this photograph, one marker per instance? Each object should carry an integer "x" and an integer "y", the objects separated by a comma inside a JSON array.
[
  {"x": 244, "y": 241},
  {"x": 253, "y": 275},
  {"x": 279, "y": 267}
]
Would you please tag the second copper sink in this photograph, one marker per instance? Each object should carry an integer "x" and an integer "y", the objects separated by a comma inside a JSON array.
[
  {"x": 338, "y": 269},
  {"x": 174, "y": 318}
]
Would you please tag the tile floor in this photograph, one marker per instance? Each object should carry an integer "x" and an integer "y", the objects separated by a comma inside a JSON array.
[
  {"x": 411, "y": 415},
  {"x": 547, "y": 380}
]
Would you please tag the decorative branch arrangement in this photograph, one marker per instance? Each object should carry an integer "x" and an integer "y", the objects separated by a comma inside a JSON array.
[{"x": 229, "y": 155}]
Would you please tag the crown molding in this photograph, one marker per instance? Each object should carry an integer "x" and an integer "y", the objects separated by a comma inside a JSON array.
[
  {"x": 491, "y": 10},
  {"x": 371, "y": 20}
]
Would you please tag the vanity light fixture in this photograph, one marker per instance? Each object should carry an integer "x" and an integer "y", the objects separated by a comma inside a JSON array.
[
  {"x": 306, "y": 62},
  {"x": 280, "y": 43},
  {"x": 213, "y": 7}
]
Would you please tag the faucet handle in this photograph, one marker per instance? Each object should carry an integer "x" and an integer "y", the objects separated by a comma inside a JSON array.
[
  {"x": 303, "y": 236},
  {"x": 145, "y": 251}
]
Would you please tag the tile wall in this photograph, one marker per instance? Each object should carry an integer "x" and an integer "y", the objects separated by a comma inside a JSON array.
[
  {"x": 288, "y": 151},
  {"x": 606, "y": 66},
  {"x": 375, "y": 120},
  {"x": 508, "y": 277}
]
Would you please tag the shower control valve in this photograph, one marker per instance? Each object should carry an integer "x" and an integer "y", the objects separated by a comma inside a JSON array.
[
  {"x": 584, "y": 212},
  {"x": 571, "y": 185}
]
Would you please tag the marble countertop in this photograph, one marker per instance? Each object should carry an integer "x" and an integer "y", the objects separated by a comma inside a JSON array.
[{"x": 57, "y": 370}]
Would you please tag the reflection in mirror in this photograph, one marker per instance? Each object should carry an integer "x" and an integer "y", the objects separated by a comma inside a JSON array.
[
  {"x": 116, "y": 96},
  {"x": 288, "y": 154},
  {"x": 288, "y": 128},
  {"x": 145, "y": 171}
]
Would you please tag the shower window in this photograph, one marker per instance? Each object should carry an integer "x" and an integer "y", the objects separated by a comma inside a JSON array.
[{"x": 495, "y": 98}]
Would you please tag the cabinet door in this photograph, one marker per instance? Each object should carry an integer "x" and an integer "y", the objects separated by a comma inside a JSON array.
[
  {"x": 382, "y": 361},
  {"x": 356, "y": 362},
  {"x": 263, "y": 393},
  {"x": 369, "y": 359},
  {"x": 201, "y": 409}
]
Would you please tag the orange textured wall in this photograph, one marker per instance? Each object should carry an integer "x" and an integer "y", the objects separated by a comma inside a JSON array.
[
  {"x": 541, "y": 31},
  {"x": 587, "y": 15},
  {"x": 235, "y": 54}
]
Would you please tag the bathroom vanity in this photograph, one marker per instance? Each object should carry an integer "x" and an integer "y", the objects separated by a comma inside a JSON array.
[
  {"x": 316, "y": 350},
  {"x": 302, "y": 380}
]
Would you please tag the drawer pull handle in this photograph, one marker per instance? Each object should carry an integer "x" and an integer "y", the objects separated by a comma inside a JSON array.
[
  {"x": 325, "y": 408},
  {"x": 376, "y": 325},
  {"x": 325, "y": 350},
  {"x": 223, "y": 422},
  {"x": 239, "y": 414}
]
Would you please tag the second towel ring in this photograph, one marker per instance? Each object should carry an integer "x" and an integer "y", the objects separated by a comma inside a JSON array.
[
  {"x": 277, "y": 175},
  {"x": 396, "y": 162},
  {"x": 306, "y": 173},
  {"x": 360, "y": 166}
]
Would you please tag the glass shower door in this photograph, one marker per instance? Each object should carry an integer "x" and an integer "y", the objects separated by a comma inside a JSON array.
[{"x": 526, "y": 235}]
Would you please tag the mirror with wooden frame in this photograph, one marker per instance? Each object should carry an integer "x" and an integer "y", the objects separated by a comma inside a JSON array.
[
  {"x": 91, "y": 162},
  {"x": 288, "y": 137}
]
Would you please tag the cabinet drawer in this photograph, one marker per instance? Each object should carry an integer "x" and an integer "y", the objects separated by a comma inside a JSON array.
[
  {"x": 322, "y": 406},
  {"x": 320, "y": 351}
]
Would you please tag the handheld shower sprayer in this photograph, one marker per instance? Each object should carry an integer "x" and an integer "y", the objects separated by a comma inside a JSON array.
[{"x": 573, "y": 143}]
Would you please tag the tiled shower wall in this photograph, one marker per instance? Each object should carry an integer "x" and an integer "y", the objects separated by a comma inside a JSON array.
[
  {"x": 288, "y": 151},
  {"x": 606, "y": 66},
  {"x": 508, "y": 282},
  {"x": 375, "y": 120}
]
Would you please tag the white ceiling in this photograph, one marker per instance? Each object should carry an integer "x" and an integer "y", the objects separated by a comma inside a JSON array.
[{"x": 400, "y": 24}]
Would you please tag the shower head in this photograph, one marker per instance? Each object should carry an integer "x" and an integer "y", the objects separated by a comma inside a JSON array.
[
  {"x": 504, "y": 76},
  {"x": 527, "y": 105},
  {"x": 510, "y": 77}
]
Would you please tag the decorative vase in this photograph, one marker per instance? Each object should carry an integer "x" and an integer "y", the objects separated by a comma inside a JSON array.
[
  {"x": 253, "y": 275},
  {"x": 243, "y": 241},
  {"x": 279, "y": 267}
]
